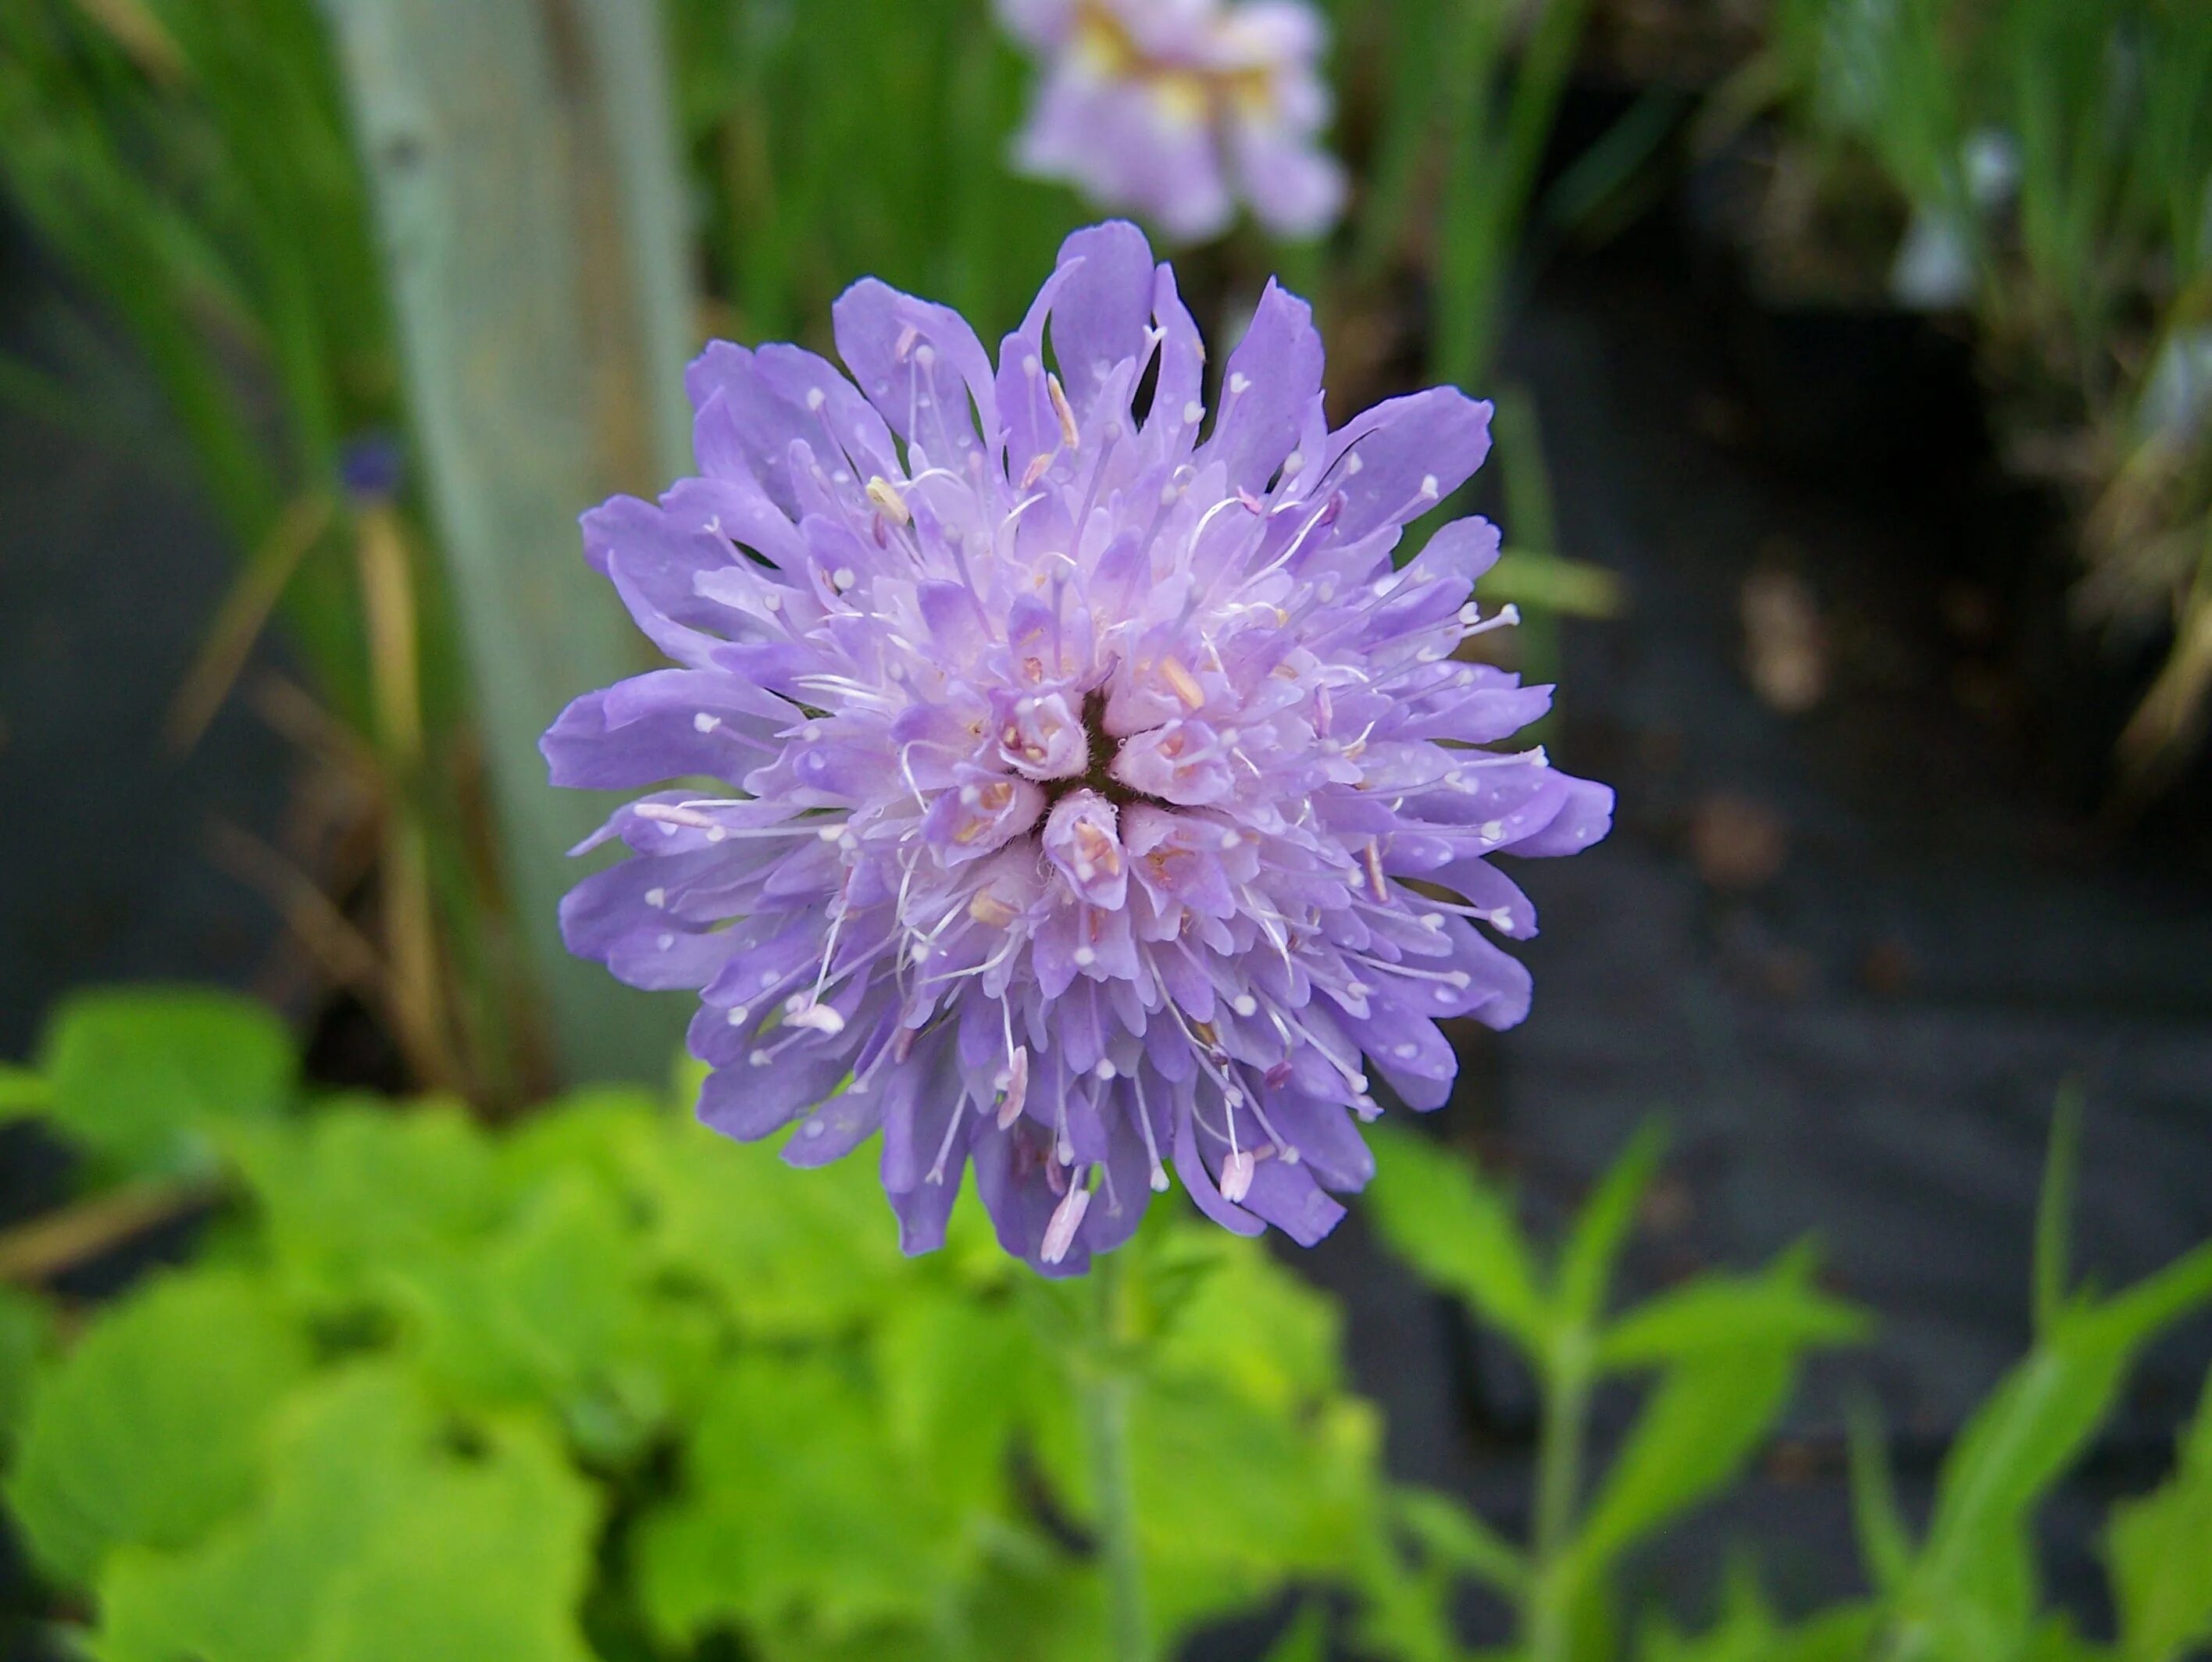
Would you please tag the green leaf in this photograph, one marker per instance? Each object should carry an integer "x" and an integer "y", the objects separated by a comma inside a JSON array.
[
  {"x": 556, "y": 1307},
  {"x": 792, "y": 1253},
  {"x": 26, "y": 1328},
  {"x": 1459, "y": 1233},
  {"x": 1779, "y": 1309},
  {"x": 1251, "y": 1464},
  {"x": 22, "y": 1092},
  {"x": 796, "y": 1513},
  {"x": 961, "y": 1377},
  {"x": 1452, "y": 1536},
  {"x": 1585, "y": 1273},
  {"x": 2027, "y": 1434},
  {"x": 1306, "y": 1639},
  {"x": 361, "y": 1188},
  {"x": 147, "y": 1432},
  {"x": 2160, "y": 1548},
  {"x": 1885, "y": 1542},
  {"x": 2055, "y": 1206},
  {"x": 380, "y": 1536},
  {"x": 145, "y": 1078},
  {"x": 1703, "y": 1423}
]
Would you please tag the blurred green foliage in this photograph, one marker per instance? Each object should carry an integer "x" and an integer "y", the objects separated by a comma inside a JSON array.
[
  {"x": 607, "y": 1384},
  {"x": 602, "y": 1384}
]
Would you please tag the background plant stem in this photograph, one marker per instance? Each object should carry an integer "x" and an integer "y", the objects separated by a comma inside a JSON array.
[
  {"x": 1106, "y": 1386},
  {"x": 1559, "y": 1486}
]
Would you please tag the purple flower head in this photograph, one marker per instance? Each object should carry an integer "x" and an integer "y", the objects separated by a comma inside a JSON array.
[
  {"x": 1176, "y": 108},
  {"x": 1071, "y": 772}
]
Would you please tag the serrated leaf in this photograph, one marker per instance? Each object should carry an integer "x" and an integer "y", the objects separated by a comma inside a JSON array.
[
  {"x": 145, "y": 1078},
  {"x": 555, "y": 1307},
  {"x": 2160, "y": 1550},
  {"x": 962, "y": 1378},
  {"x": 792, "y": 1253},
  {"x": 795, "y": 1511},
  {"x": 1701, "y": 1425},
  {"x": 1776, "y": 1310},
  {"x": 147, "y": 1432},
  {"x": 361, "y": 1188},
  {"x": 1457, "y": 1231},
  {"x": 379, "y": 1537},
  {"x": 1586, "y": 1266}
]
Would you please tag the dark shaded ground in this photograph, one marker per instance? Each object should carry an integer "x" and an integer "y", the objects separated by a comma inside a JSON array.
[{"x": 1864, "y": 1046}]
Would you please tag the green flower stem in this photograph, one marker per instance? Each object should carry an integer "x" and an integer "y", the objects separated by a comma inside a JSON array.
[
  {"x": 1107, "y": 1387},
  {"x": 1546, "y": 1611}
]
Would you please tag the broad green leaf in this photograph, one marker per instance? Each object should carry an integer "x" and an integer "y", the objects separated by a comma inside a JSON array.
[
  {"x": 380, "y": 1536},
  {"x": 962, "y": 1378},
  {"x": 794, "y": 1254},
  {"x": 360, "y": 1188},
  {"x": 2159, "y": 1550},
  {"x": 1585, "y": 1273},
  {"x": 1779, "y": 1309},
  {"x": 144, "y": 1078},
  {"x": 1705, "y": 1421},
  {"x": 147, "y": 1432},
  {"x": 1459, "y": 1233},
  {"x": 795, "y": 1510},
  {"x": 26, "y": 1329},
  {"x": 1251, "y": 1465},
  {"x": 555, "y": 1307}
]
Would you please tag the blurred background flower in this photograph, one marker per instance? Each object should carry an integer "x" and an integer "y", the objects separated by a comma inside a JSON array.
[{"x": 1181, "y": 111}]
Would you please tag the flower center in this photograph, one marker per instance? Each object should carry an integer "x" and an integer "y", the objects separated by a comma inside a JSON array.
[{"x": 1100, "y": 747}]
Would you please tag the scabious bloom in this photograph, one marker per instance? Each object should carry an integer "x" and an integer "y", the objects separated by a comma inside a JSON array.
[
  {"x": 1176, "y": 108},
  {"x": 1091, "y": 796}
]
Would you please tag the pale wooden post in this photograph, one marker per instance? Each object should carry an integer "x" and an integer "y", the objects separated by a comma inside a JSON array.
[{"x": 522, "y": 157}]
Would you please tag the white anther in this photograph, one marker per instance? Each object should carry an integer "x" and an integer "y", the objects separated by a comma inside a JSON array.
[
  {"x": 816, "y": 398},
  {"x": 656, "y": 898},
  {"x": 820, "y": 1018},
  {"x": 1016, "y": 1084},
  {"x": 705, "y": 723},
  {"x": 1066, "y": 1219},
  {"x": 1236, "y": 1176},
  {"x": 1245, "y": 1004}
]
